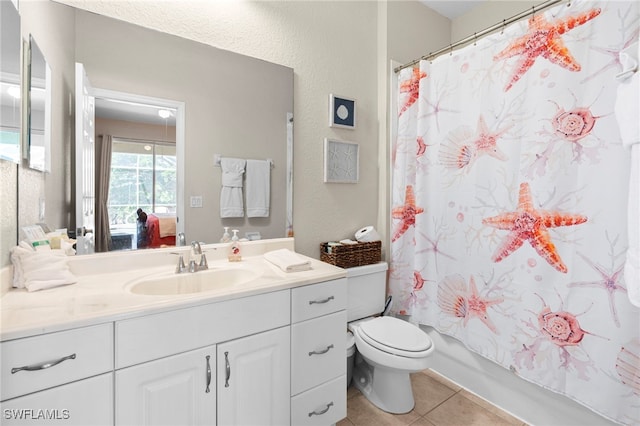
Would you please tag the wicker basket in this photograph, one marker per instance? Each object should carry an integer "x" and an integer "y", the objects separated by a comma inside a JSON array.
[{"x": 350, "y": 255}]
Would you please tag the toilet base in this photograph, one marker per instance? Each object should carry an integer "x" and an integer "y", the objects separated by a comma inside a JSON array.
[{"x": 387, "y": 389}]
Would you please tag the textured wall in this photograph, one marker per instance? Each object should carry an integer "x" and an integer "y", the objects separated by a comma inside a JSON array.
[{"x": 8, "y": 209}]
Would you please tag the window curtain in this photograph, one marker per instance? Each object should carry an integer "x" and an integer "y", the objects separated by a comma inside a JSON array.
[
  {"x": 509, "y": 203},
  {"x": 103, "y": 173}
]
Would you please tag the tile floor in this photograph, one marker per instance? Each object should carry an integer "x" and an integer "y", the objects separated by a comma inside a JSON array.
[{"x": 439, "y": 402}]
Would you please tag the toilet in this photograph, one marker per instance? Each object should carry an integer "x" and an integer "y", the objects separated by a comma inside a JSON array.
[{"x": 388, "y": 348}]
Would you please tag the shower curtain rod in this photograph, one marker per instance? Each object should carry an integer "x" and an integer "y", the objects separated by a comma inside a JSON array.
[{"x": 482, "y": 33}]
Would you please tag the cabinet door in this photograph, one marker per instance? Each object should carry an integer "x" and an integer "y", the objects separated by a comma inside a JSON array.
[
  {"x": 253, "y": 380},
  {"x": 177, "y": 390},
  {"x": 83, "y": 403}
]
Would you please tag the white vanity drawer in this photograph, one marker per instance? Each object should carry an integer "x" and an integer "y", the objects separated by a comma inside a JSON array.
[
  {"x": 155, "y": 336},
  {"x": 318, "y": 351},
  {"x": 323, "y": 405},
  {"x": 318, "y": 299},
  {"x": 54, "y": 359},
  {"x": 87, "y": 402}
]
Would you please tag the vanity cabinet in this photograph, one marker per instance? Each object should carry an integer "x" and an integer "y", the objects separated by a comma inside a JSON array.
[
  {"x": 318, "y": 353},
  {"x": 274, "y": 358},
  {"x": 163, "y": 372},
  {"x": 254, "y": 379},
  {"x": 64, "y": 377},
  {"x": 176, "y": 390}
]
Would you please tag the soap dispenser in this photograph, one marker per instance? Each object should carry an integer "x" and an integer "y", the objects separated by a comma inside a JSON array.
[
  {"x": 234, "y": 248},
  {"x": 225, "y": 237}
]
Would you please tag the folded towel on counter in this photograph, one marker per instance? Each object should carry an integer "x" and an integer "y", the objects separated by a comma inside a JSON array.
[
  {"x": 39, "y": 270},
  {"x": 231, "y": 204},
  {"x": 258, "y": 187},
  {"x": 288, "y": 260}
]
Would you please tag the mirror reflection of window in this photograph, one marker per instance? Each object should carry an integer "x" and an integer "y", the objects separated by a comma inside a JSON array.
[{"x": 143, "y": 175}]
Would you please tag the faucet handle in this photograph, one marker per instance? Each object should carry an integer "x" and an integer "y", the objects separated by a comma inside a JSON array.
[
  {"x": 203, "y": 262},
  {"x": 181, "y": 267}
]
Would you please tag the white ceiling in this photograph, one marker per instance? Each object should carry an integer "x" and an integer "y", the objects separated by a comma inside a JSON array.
[
  {"x": 451, "y": 8},
  {"x": 135, "y": 112}
]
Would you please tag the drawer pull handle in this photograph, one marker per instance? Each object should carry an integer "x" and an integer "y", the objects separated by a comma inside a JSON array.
[
  {"x": 319, "y": 413},
  {"x": 311, "y": 302},
  {"x": 228, "y": 368},
  {"x": 43, "y": 365},
  {"x": 324, "y": 351},
  {"x": 207, "y": 390}
]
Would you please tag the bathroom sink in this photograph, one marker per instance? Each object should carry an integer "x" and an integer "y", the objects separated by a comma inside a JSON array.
[{"x": 196, "y": 282}]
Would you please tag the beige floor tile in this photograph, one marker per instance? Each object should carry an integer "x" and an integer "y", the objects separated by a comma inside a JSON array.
[
  {"x": 437, "y": 376},
  {"x": 459, "y": 410},
  {"x": 428, "y": 392},
  {"x": 422, "y": 421},
  {"x": 362, "y": 413},
  {"x": 492, "y": 408},
  {"x": 352, "y": 391},
  {"x": 345, "y": 422}
]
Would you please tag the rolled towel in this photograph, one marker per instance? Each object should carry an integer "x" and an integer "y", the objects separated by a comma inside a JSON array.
[{"x": 288, "y": 260}]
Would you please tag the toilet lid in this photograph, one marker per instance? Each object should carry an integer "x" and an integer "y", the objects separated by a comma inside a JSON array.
[{"x": 396, "y": 336}]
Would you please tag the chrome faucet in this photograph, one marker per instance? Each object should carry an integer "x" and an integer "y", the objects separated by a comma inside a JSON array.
[
  {"x": 181, "y": 240},
  {"x": 196, "y": 250},
  {"x": 195, "y": 247}
]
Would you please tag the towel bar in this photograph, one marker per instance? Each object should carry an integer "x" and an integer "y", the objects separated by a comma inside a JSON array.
[{"x": 217, "y": 158}]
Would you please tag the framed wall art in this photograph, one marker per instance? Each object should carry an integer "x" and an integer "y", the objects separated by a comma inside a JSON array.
[
  {"x": 341, "y": 161},
  {"x": 342, "y": 112}
]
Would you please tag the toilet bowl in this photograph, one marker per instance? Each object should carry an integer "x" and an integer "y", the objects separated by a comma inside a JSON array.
[{"x": 388, "y": 351}]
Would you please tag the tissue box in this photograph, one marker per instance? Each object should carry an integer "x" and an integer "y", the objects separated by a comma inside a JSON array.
[{"x": 348, "y": 256}]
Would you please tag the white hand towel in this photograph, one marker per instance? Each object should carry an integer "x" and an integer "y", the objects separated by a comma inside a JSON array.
[
  {"x": 288, "y": 260},
  {"x": 231, "y": 204},
  {"x": 627, "y": 110},
  {"x": 39, "y": 270},
  {"x": 258, "y": 187}
]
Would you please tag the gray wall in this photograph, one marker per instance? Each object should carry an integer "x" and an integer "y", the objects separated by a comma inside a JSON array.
[{"x": 236, "y": 106}]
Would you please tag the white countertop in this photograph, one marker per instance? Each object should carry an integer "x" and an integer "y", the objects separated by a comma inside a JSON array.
[{"x": 102, "y": 295}]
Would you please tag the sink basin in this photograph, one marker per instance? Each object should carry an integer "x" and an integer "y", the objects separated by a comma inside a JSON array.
[{"x": 196, "y": 282}]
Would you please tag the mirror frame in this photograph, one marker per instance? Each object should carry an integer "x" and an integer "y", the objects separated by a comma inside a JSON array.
[
  {"x": 29, "y": 149},
  {"x": 15, "y": 79}
]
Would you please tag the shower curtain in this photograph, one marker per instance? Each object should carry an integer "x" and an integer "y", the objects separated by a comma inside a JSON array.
[{"x": 509, "y": 203}]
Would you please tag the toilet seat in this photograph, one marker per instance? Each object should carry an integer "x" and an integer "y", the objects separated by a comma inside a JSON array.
[{"x": 395, "y": 336}]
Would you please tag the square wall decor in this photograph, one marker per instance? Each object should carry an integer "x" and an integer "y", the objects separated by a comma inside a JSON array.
[
  {"x": 341, "y": 161},
  {"x": 342, "y": 112}
]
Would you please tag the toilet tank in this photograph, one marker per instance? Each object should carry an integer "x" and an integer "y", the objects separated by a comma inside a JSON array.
[{"x": 366, "y": 290}]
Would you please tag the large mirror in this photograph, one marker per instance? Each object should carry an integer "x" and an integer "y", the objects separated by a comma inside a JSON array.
[
  {"x": 10, "y": 87},
  {"x": 233, "y": 106},
  {"x": 39, "y": 109}
]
